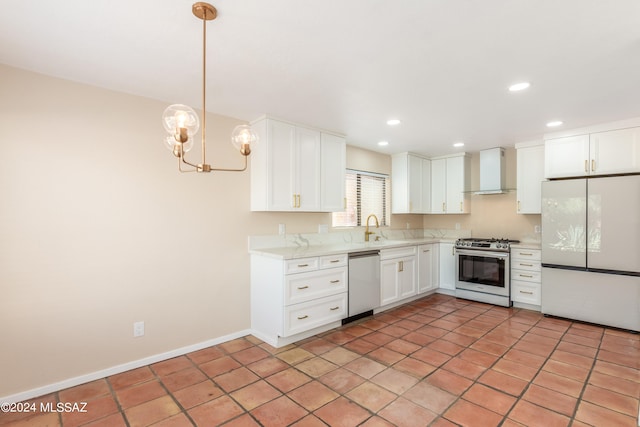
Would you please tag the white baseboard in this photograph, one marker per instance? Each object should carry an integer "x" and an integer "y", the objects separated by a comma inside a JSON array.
[{"x": 72, "y": 382}]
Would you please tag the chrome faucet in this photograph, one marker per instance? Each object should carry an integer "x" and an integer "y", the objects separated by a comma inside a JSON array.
[{"x": 367, "y": 233}]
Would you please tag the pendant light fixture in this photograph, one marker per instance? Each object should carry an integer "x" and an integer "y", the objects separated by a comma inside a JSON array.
[{"x": 182, "y": 123}]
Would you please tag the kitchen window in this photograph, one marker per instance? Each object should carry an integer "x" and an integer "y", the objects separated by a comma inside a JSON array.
[{"x": 366, "y": 193}]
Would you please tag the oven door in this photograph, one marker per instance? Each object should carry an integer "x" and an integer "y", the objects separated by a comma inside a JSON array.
[{"x": 482, "y": 271}]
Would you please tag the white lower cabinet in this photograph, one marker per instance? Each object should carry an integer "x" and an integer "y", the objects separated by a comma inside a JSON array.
[
  {"x": 428, "y": 267},
  {"x": 525, "y": 276},
  {"x": 289, "y": 297},
  {"x": 397, "y": 274},
  {"x": 447, "y": 266}
]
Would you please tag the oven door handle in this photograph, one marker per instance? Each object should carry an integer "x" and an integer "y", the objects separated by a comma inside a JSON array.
[{"x": 503, "y": 255}]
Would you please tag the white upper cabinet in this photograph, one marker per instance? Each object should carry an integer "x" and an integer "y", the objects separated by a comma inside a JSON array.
[
  {"x": 568, "y": 156},
  {"x": 410, "y": 184},
  {"x": 305, "y": 181},
  {"x": 333, "y": 164},
  {"x": 602, "y": 153},
  {"x": 530, "y": 174},
  {"x": 615, "y": 152},
  {"x": 450, "y": 184},
  {"x": 295, "y": 168}
]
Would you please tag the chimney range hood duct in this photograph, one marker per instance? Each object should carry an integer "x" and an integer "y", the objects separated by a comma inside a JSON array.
[{"x": 492, "y": 171}]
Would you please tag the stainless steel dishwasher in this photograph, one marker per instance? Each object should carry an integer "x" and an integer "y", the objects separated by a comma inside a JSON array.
[{"x": 364, "y": 284}]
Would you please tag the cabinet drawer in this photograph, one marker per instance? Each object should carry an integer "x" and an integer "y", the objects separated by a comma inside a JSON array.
[
  {"x": 526, "y": 254},
  {"x": 315, "y": 284},
  {"x": 527, "y": 276},
  {"x": 308, "y": 315},
  {"x": 528, "y": 293},
  {"x": 519, "y": 264},
  {"x": 300, "y": 265},
  {"x": 397, "y": 252},
  {"x": 332, "y": 261}
]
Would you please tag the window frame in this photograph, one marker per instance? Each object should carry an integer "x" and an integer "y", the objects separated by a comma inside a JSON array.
[{"x": 384, "y": 218}]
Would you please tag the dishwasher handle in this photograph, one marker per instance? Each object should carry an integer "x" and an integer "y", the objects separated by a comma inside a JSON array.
[{"x": 363, "y": 254}]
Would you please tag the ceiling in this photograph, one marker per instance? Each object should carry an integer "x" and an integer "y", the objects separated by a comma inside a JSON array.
[{"x": 441, "y": 66}]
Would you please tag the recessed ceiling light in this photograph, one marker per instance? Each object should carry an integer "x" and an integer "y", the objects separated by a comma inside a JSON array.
[
  {"x": 393, "y": 122},
  {"x": 519, "y": 86},
  {"x": 458, "y": 144},
  {"x": 383, "y": 143},
  {"x": 554, "y": 123}
]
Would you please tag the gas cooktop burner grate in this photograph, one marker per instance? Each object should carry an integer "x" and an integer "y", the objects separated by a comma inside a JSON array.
[{"x": 485, "y": 244}]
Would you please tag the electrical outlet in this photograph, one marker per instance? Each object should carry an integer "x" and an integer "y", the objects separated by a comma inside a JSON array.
[
  {"x": 281, "y": 229},
  {"x": 138, "y": 329},
  {"x": 457, "y": 226},
  {"x": 536, "y": 229},
  {"x": 408, "y": 226}
]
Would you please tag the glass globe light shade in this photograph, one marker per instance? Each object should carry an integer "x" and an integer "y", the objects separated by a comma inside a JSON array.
[
  {"x": 243, "y": 138},
  {"x": 179, "y": 117}
]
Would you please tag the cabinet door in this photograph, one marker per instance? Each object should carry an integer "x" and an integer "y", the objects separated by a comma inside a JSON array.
[
  {"x": 407, "y": 277},
  {"x": 456, "y": 179},
  {"x": 447, "y": 267},
  {"x": 333, "y": 163},
  {"x": 415, "y": 184},
  {"x": 307, "y": 169},
  {"x": 425, "y": 268},
  {"x": 425, "y": 181},
  {"x": 615, "y": 152},
  {"x": 530, "y": 171},
  {"x": 280, "y": 165},
  {"x": 565, "y": 157},
  {"x": 438, "y": 186},
  {"x": 389, "y": 290}
]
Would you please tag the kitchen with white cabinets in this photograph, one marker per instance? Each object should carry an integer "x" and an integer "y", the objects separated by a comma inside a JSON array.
[{"x": 432, "y": 186}]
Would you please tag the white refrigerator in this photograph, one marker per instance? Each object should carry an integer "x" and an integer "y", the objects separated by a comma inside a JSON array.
[{"x": 591, "y": 250}]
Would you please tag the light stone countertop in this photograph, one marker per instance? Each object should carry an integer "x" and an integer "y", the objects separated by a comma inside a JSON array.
[
  {"x": 294, "y": 246},
  {"x": 289, "y": 252}
]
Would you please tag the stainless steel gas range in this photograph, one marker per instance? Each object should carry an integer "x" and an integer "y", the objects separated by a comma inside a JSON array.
[{"x": 482, "y": 270}]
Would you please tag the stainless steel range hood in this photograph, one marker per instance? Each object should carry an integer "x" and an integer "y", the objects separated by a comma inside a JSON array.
[{"x": 492, "y": 171}]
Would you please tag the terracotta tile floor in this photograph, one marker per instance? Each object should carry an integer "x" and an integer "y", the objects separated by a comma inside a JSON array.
[{"x": 437, "y": 361}]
